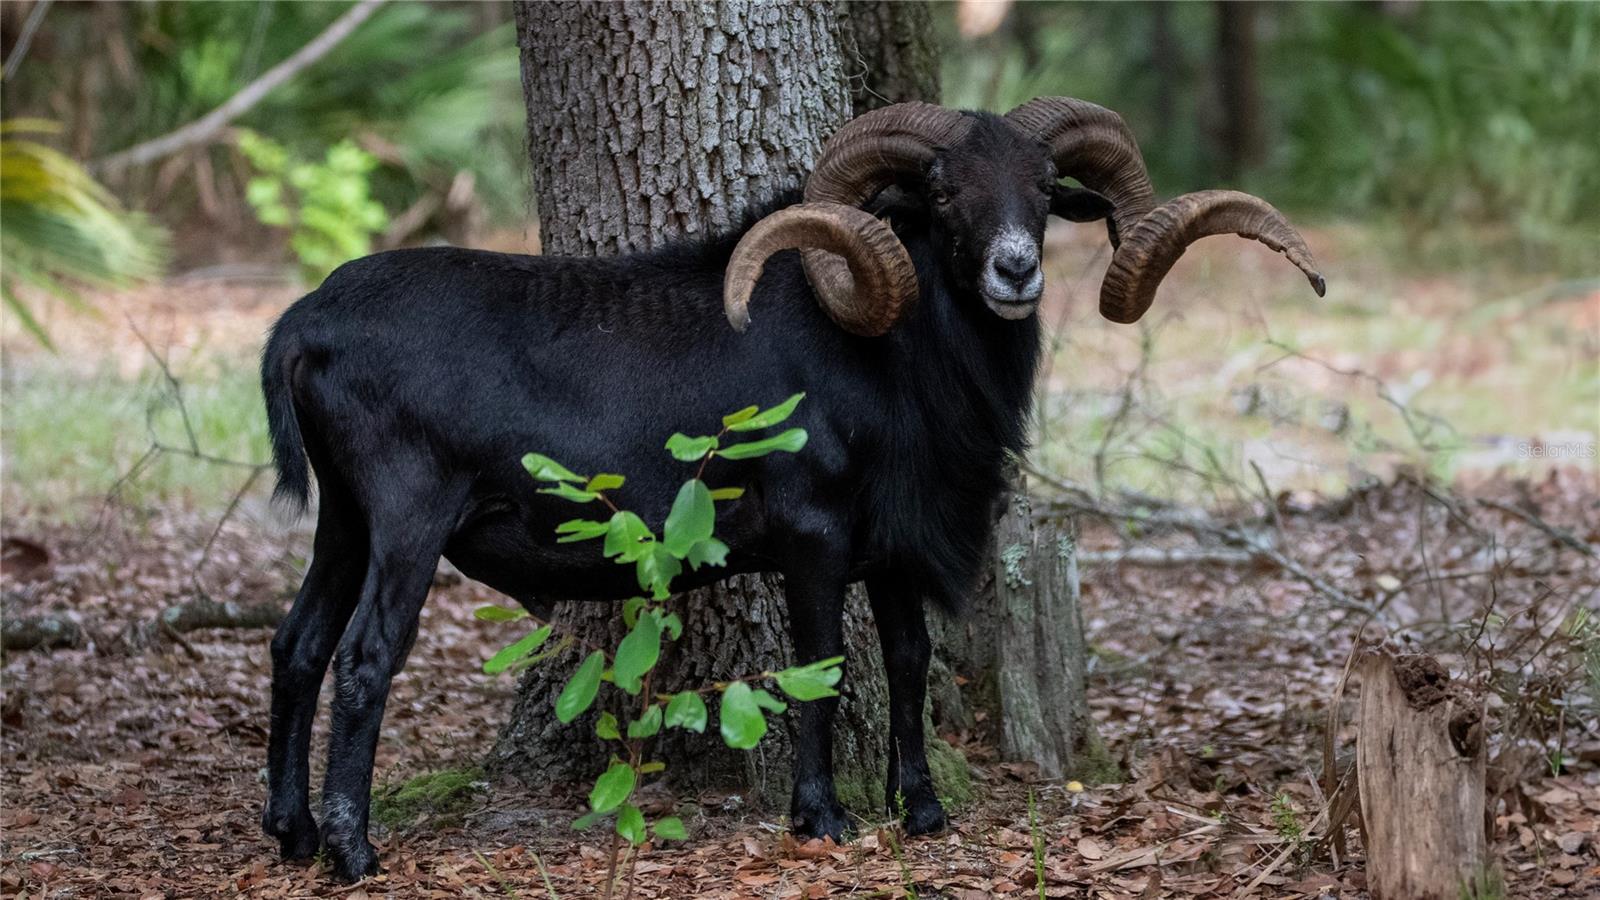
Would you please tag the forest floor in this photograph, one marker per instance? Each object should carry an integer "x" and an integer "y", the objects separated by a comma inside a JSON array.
[
  {"x": 1406, "y": 425},
  {"x": 137, "y": 771}
]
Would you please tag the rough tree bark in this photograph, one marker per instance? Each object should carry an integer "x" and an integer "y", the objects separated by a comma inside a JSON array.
[
  {"x": 890, "y": 53},
  {"x": 647, "y": 122},
  {"x": 1420, "y": 761}
]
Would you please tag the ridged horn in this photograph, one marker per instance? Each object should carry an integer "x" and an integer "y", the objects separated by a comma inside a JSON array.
[
  {"x": 1092, "y": 144},
  {"x": 1149, "y": 250},
  {"x": 866, "y": 155},
  {"x": 878, "y": 279}
]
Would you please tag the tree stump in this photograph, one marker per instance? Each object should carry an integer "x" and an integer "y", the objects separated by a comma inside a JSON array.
[
  {"x": 1022, "y": 652},
  {"x": 1420, "y": 761}
]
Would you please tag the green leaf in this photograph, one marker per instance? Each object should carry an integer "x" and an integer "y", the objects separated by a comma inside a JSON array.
[
  {"x": 492, "y": 613},
  {"x": 612, "y": 787},
  {"x": 647, "y": 725},
  {"x": 709, "y": 552},
  {"x": 637, "y": 653},
  {"x": 652, "y": 767},
  {"x": 769, "y": 418},
  {"x": 670, "y": 828},
  {"x": 580, "y": 530},
  {"x": 727, "y": 493},
  {"x": 686, "y": 710},
  {"x": 607, "y": 727},
  {"x": 630, "y": 824},
  {"x": 630, "y": 610},
  {"x": 656, "y": 569},
  {"x": 743, "y": 415},
  {"x": 546, "y": 469},
  {"x": 690, "y": 449},
  {"x": 789, "y": 442},
  {"x": 627, "y": 537},
  {"x": 767, "y": 701},
  {"x": 605, "y": 481},
  {"x": 586, "y": 820},
  {"x": 580, "y": 690},
  {"x": 741, "y": 720},
  {"x": 549, "y": 651},
  {"x": 672, "y": 626},
  {"x": 812, "y": 681},
  {"x": 691, "y": 520},
  {"x": 503, "y": 660},
  {"x": 568, "y": 492}
]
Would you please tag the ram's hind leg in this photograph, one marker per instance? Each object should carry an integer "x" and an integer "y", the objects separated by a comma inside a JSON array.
[
  {"x": 406, "y": 538},
  {"x": 300, "y": 652}
]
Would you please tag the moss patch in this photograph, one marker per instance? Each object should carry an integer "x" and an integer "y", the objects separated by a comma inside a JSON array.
[
  {"x": 1094, "y": 763},
  {"x": 443, "y": 794},
  {"x": 860, "y": 794},
  {"x": 952, "y": 780}
]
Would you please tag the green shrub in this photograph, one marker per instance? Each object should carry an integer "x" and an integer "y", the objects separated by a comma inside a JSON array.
[{"x": 327, "y": 205}]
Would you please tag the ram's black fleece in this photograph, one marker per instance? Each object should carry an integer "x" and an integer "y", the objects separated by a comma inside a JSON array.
[{"x": 413, "y": 382}]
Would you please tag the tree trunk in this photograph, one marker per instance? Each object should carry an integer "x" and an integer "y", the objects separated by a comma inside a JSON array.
[
  {"x": 647, "y": 122},
  {"x": 891, "y": 53},
  {"x": 1420, "y": 762},
  {"x": 1238, "y": 87}
]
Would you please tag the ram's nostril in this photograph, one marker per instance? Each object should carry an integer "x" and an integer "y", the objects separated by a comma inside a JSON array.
[{"x": 1016, "y": 267}]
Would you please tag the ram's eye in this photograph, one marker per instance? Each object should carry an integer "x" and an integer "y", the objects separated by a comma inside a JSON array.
[{"x": 940, "y": 198}]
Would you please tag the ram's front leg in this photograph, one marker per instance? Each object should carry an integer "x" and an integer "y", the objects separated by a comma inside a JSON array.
[
  {"x": 906, "y": 651},
  {"x": 814, "y": 586}
]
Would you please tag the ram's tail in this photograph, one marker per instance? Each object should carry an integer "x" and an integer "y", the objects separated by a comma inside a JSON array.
[{"x": 288, "y": 448}]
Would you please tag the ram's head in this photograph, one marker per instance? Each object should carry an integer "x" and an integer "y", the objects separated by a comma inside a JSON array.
[{"x": 988, "y": 184}]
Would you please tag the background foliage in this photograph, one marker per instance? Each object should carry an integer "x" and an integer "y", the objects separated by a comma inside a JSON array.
[{"x": 1450, "y": 119}]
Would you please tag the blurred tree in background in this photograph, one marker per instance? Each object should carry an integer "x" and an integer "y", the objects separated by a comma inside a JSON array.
[{"x": 1469, "y": 124}]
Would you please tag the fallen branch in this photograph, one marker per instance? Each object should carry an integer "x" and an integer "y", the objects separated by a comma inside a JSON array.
[
  {"x": 1238, "y": 537},
  {"x": 199, "y": 614},
  {"x": 57, "y": 632},
  {"x": 206, "y": 127},
  {"x": 40, "y": 633},
  {"x": 1560, "y": 535},
  {"x": 1175, "y": 558}
]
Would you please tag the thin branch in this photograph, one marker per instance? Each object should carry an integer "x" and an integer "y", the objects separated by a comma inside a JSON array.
[
  {"x": 203, "y": 129},
  {"x": 1561, "y": 535},
  {"x": 25, "y": 38}
]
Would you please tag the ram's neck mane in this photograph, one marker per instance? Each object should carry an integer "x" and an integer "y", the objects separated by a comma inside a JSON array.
[{"x": 964, "y": 382}]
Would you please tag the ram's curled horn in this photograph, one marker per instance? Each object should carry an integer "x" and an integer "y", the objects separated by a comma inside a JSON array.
[
  {"x": 870, "y": 151},
  {"x": 880, "y": 278},
  {"x": 1093, "y": 145},
  {"x": 1148, "y": 252},
  {"x": 866, "y": 155}
]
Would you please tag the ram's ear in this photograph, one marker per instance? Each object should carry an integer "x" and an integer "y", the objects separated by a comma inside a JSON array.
[
  {"x": 1079, "y": 204},
  {"x": 897, "y": 201},
  {"x": 1083, "y": 205}
]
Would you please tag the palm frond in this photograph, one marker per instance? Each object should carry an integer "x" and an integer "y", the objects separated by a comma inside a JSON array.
[{"x": 59, "y": 227}]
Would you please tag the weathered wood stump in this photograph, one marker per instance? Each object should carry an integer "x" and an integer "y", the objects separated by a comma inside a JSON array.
[
  {"x": 1420, "y": 760},
  {"x": 1022, "y": 652}
]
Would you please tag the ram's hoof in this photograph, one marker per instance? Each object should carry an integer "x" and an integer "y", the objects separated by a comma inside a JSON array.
[
  {"x": 354, "y": 864},
  {"x": 925, "y": 818},
  {"x": 296, "y": 833},
  {"x": 829, "y": 821}
]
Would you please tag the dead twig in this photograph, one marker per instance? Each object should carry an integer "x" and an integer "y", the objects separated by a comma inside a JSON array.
[{"x": 1560, "y": 535}]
